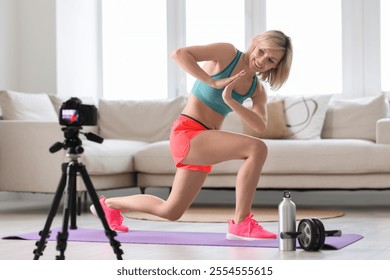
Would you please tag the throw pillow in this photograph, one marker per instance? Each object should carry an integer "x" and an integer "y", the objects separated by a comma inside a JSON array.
[
  {"x": 355, "y": 118},
  {"x": 27, "y": 106},
  {"x": 276, "y": 128},
  {"x": 305, "y": 115},
  {"x": 57, "y": 102}
]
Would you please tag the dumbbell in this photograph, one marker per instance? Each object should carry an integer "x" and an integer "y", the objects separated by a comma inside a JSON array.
[{"x": 311, "y": 234}]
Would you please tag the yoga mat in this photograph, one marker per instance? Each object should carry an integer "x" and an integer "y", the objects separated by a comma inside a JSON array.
[{"x": 180, "y": 238}]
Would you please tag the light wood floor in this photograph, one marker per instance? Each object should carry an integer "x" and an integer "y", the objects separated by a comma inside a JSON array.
[{"x": 368, "y": 216}]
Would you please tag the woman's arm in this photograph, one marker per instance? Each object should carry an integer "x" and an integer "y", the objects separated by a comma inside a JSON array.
[
  {"x": 217, "y": 56},
  {"x": 257, "y": 116}
]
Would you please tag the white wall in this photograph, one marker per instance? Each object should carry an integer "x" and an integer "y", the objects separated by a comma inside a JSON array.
[
  {"x": 50, "y": 46},
  {"x": 28, "y": 45},
  {"x": 37, "y": 45},
  {"x": 8, "y": 41}
]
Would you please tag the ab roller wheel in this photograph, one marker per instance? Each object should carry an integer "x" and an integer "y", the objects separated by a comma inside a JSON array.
[
  {"x": 308, "y": 237},
  {"x": 312, "y": 237},
  {"x": 321, "y": 235},
  {"x": 310, "y": 234}
]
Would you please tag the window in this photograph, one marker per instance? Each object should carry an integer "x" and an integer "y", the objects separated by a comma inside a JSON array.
[
  {"x": 329, "y": 39},
  {"x": 385, "y": 45},
  {"x": 317, "y": 62},
  {"x": 134, "y": 49},
  {"x": 221, "y": 21}
]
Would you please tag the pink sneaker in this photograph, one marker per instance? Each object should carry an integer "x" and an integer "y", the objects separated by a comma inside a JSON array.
[
  {"x": 113, "y": 216},
  {"x": 248, "y": 229}
]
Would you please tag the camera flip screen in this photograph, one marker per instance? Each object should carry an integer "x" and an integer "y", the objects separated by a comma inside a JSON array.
[
  {"x": 69, "y": 116},
  {"x": 73, "y": 113}
]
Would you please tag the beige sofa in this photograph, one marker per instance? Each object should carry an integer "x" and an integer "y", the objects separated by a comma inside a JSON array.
[{"x": 323, "y": 142}]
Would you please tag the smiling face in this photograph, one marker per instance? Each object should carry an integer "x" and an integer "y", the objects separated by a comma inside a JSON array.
[
  {"x": 261, "y": 60},
  {"x": 270, "y": 56}
]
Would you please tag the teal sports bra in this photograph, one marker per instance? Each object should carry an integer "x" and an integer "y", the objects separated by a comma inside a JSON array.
[{"x": 212, "y": 97}]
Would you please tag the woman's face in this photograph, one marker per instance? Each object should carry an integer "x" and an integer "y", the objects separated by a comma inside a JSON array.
[{"x": 261, "y": 60}]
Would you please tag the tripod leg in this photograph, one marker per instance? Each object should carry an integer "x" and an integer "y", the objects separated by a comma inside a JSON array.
[
  {"x": 69, "y": 202},
  {"x": 45, "y": 233},
  {"x": 73, "y": 197},
  {"x": 95, "y": 200},
  {"x": 82, "y": 202},
  {"x": 79, "y": 203}
]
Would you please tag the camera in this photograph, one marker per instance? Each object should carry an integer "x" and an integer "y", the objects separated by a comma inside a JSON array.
[{"x": 74, "y": 113}]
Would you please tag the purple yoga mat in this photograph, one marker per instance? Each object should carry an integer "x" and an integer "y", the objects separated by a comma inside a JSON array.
[{"x": 179, "y": 238}]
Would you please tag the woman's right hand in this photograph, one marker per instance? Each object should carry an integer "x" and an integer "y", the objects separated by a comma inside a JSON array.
[{"x": 222, "y": 83}]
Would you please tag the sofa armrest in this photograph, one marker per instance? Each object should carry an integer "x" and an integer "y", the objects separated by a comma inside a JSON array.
[
  {"x": 383, "y": 131},
  {"x": 25, "y": 161}
]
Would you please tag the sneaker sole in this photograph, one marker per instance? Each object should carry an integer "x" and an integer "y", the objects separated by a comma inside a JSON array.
[
  {"x": 230, "y": 236},
  {"x": 93, "y": 211}
]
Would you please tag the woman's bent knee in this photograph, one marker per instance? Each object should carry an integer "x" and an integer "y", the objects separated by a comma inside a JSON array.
[
  {"x": 259, "y": 149},
  {"x": 172, "y": 214}
]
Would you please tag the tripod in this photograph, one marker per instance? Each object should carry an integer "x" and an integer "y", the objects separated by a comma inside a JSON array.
[{"x": 69, "y": 174}]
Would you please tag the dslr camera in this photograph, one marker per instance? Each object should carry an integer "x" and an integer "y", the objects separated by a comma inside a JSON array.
[{"x": 74, "y": 113}]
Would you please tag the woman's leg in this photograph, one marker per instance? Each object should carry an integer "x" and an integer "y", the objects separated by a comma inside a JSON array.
[
  {"x": 207, "y": 148},
  {"x": 186, "y": 186},
  {"x": 211, "y": 147}
]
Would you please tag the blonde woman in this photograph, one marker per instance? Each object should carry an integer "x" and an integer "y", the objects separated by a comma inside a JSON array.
[{"x": 227, "y": 78}]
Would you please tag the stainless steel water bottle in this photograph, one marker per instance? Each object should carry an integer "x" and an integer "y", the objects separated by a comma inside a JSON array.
[{"x": 287, "y": 215}]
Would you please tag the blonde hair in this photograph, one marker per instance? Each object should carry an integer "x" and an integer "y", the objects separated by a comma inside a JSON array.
[{"x": 276, "y": 40}]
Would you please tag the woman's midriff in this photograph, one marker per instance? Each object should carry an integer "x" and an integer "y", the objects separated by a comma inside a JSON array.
[{"x": 201, "y": 112}]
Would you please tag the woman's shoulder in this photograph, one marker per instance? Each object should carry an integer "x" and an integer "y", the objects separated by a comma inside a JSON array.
[
  {"x": 226, "y": 48},
  {"x": 224, "y": 52}
]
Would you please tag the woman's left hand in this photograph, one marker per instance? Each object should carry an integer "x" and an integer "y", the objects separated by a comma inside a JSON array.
[{"x": 227, "y": 92}]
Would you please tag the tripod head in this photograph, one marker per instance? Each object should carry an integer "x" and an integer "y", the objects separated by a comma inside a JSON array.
[{"x": 73, "y": 142}]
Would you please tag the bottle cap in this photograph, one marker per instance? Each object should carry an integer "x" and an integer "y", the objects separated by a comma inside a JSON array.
[{"x": 287, "y": 194}]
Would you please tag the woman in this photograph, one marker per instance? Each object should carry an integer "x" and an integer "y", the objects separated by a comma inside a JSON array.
[{"x": 227, "y": 78}]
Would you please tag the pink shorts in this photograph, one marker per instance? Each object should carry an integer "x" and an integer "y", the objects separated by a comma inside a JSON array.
[{"x": 183, "y": 130}]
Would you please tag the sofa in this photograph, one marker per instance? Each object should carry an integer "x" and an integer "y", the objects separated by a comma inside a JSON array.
[{"x": 322, "y": 142}]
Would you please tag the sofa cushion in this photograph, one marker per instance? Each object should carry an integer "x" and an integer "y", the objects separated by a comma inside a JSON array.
[
  {"x": 326, "y": 156},
  {"x": 354, "y": 118},
  {"x": 276, "y": 127},
  {"x": 155, "y": 158},
  {"x": 148, "y": 121},
  {"x": 27, "y": 106},
  {"x": 321, "y": 156},
  {"x": 305, "y": 115},
  {"x": 110, "y": 157}
]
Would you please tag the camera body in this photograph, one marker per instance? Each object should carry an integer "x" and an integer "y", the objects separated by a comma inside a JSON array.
[{"x": 74, "y": 113}]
